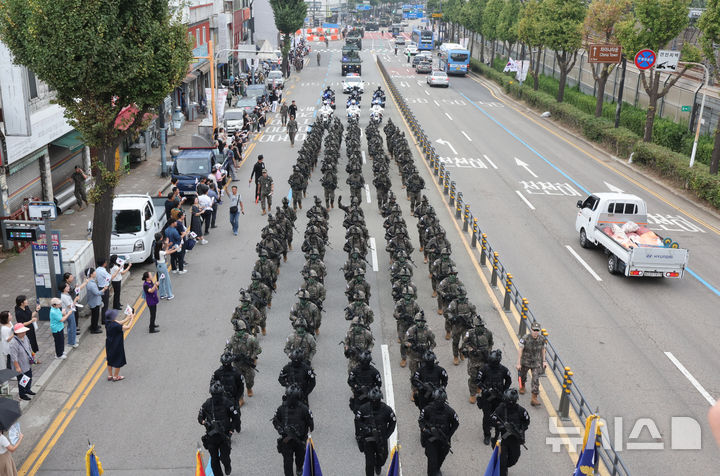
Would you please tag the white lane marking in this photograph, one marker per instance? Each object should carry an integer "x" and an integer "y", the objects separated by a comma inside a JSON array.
[
  {"x": 363, "y": 156},
  {"x": 427, "y": 92},
  {"x": 690, "y": 377},
  {"x": 436, "y": 103},
  {"x": 373, "y": 254},
  {"x": 490, "y": 161},
  {"x": 448, "y": 116},
  {"x": 389, "y": 395},
  {"x": 582, "y": 262},
  {"x": 367, "y": 192},
  {"x": 525, "y": 200},
  {"x": 466, "y": 136}
]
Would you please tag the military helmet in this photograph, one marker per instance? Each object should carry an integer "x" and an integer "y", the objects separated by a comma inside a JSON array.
[
  {"x": 295, "y": 168},
  {"x": 314, "y": 251},
  {"x": 461, "y": 291},
  {"x": 420, "y": 316},
  {"x": 354, "y": 201},
  {"x": 271, "y": 218},
  {"x": 227, "y": 358},
  {"x": 365, "y": 357},
  {"x": 452, "y": 270},
  {"x": 285, "y": 201},
  {"x": 445, "y": 252},
  {"x": 312, "y": 273},
  {"x": 303, "y": 294},
  {"x": 263, "y": 252},
  {"x": 405, "y": 272},
  {"x": 255, "y": 275},
  {"x": 297, "y": 354},
  {"x": 478, "y": 322},
  {"x": 293, "y": 393},
  {"x": 408, "y": 290},
  {"x": 495, "y": 357},
  {"x": 216, "y": 388},
  {"x": 299, "y": 322},
  {"x": 439, "y": 394},
  {"x": 359, "y": 295},
  {"x": 428, "y": 356},
  {"x": 317, "y": 200},
  {"x": 401, "y": 253},
  {"x": 359, "y": 272},
  {"x": 245, "y": 296},
  {"x": 510, "y": 395},
  {"x": 374, "y": 395}
]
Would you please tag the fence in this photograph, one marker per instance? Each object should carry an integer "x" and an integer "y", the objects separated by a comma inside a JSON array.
[{"x": 500, "y": 276}]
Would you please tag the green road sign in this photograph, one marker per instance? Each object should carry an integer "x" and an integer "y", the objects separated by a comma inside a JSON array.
[{"x": 686, "y": 108}]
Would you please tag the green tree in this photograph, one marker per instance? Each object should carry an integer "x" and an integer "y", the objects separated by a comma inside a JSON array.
[
  {"x": 530, "y": 33},
  {"x": 475, "y": 19},
  {"x": 709, "y": 25},
  {"x": 599, "y": 27},
  {"x": 507, "y": 23},
  {"x": 110, "y": 64},
  {"x": 653, "y": 24},
  {"x": 490, "y": 16},
  {"x": 289, "y": 18},
  {"x": 561, "y": 22}
]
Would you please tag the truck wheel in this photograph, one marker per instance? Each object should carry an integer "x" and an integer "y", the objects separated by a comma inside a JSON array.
[
  {"x": 612, "y": 263},
  {"x": 584, "y": 242}
]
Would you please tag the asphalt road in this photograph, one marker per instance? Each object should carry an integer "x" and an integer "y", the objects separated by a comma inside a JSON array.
[{"x": 612, "y": 332}]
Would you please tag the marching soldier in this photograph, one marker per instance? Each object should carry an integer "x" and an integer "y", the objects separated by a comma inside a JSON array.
[
  {"x": 438, "y": 422},
  {"x": 428, "y": 377},
  {"x": 231, "y": 380},
  {"x": 301, "y": 339},
  {"x": 314, "y": 263},
  {"x": 248, "y": 313},
  {"x": 298, "y": 372},
  {"x": 362, "y": 379},
  {"x": 318, "y": 209},
  {"x": 245, "y": 349},
  {"x": 404, "y": 313},
  {"x": 447, "y": 290},
  {"x": 358, "y": 285},
  {"x": 359, "y": 309},
  {"x": 306, "y": 311},
  {"x": 458, "y": 319},
  {"x": 356, "y": 183},
  {"x": 374, "y": 423},
  {"x": 265, "y": 182},
  {"x": 358, "y": 339},
  {"x": 293, "y": 421},
  {"x": 267, "y": 269},
  {"x": 220, "y": 418},
  {"x": 477, "y": 342},
  {"x": 418, "y": 339},
  {"x": 289, "y": 212},
  {"x": 492, "y": 381},
  {"x": 531, "y": 356},
  {"x": 261, "y": 296},
  {"x": 511, "y": 422},
  {"x": 329, "y": 184}
]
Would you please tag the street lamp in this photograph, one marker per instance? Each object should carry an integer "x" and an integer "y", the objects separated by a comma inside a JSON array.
[{"x": 702, "y": 107}]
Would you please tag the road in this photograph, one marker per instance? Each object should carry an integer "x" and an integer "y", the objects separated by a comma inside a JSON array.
[{"x": 613, "y": 332}]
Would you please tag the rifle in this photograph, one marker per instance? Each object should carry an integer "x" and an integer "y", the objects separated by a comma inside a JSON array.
[
  {"x": 438, "y": 434},
  {"x": 246, "y": 360},
  {"x": 511, "y": 429}
]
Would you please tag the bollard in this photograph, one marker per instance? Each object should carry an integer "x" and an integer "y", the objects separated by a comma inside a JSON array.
[
  {"x": 441, "y": 175},
  {"x": 452, "y": 193},
  {"x": 437, "y": 166},
  {"x": 483, "y": 248},
  {"x": 458, "y": 209},
  {"x": 564, "y": 405},
  {"x": 523, "y": 317},
  {"x": 466, "y": 219},
  {"x": 508, "y": 292},
  {"x": 446, "y": 185},
  {"x": 494, "y": 276},
  {"x": 474, "y": 233}
]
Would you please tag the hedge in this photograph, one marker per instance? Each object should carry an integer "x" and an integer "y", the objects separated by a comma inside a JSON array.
[{"x": 622, "y": 140}]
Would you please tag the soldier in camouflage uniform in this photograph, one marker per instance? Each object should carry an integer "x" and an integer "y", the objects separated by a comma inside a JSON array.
[
  {"x": 267, "y": 269},
  {"x": 405, "y": 310},
  {"x": 289, "y": 212},
  {"x": 261, "y": 296},
  {"x": 313, "y": 286},
  {"x": 476, "y": 344},
  {"x": 356, "y": 183},
  {"x": 296, "y": 181},
  {"x": 245, "y": 349},
  {"x": 531, "y": 356},
  {"x": 415, "y": 185},
  {"x": 400, "y": 283},
  {"x": 265, "y": 183},
  {"x": 301, "y": 339},
  {"x": 399, "y": 242},
  {"x": 447, "y": 290},
  {"x": 400, "y": 264},
  {"x": 306, "y": 311},
  {"x": 248, "y": 313},
  {"x": 358, "y": 339},
  {"x": 418, "y": 339},
  {"x": 318, "y": 209},
  {"x": 355, "y": 238},
  {"x": 329, "y": 184},
  {"x": 440, "y": 269},
  {"x": 285, "y": 225},
  {"x": 313, "y": 262},
  {"x": 354, "y": 261},
  {"x": 458, "y": 319},
  {"x": 359, "y": 309},
  {"x": 358, "y": 283},
  {"x": 382, "y": 184}
]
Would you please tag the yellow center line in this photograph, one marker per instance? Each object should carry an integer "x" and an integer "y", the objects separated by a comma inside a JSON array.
[
  {"x": 597, "y": 159},
  {"x": 42, "y": 449},
  {"x": 572, "y": 454}
]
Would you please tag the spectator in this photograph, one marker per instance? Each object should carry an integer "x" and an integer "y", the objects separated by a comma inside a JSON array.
[
  {"x": 115, "y": 343},
  {"x": 206, "y": 203},
  {"x": 68, "y": 305},
  {"x": 117, "y": 273},
  {"x": 6, "y": 335},
  {"x": 176, "y": 242},
  {"x": 104, "y": 278},
  {"x": 150, "y": 289},
  {"x": 236, "y": 206},
  {"x": 22, "y": 360},
  {"x": 160, "y": 254},
  {"x": 94, "y": 302},
  {"x": 24, "y": 315},
  {"x": 7, "y": 465},
  {"x": 213, "y": 194},
  {"x": 57, "y": 326},
  {"x": 196, "y": 222},
  {"x": 173, "y": 201},
  {"x": 79, "y": 178},
  {"x": 69, "y": 278}
]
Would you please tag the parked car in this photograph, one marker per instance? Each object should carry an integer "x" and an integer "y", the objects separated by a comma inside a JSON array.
[
  {"x": 234, "y": 118},
  {"x": 424, "y": 67},
  {"x": 438, "y": 78},
  {"x": 136, "y": 219}
]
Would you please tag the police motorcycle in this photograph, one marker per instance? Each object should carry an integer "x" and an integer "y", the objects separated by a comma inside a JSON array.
[
  {"x": 329, "y": 95},
  {"x": 378, "y": 97},
  {"x": 376, "y": 114},
  {"x": 326, "y": 112},
  {"x": 355, "y": 95},
  {"x": 353, "y": 111}
]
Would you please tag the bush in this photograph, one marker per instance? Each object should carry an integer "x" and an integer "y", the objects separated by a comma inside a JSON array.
[{"x": 669, "y": 134}]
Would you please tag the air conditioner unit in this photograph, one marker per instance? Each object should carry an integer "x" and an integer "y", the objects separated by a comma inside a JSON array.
[{"x": 214, "y": 21}]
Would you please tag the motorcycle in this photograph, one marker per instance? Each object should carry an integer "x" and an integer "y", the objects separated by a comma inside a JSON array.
[
  {"x": 353, "y": 113},
  {"x": 376, "y": 114}
]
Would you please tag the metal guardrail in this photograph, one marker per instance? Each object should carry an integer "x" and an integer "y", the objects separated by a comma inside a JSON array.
[{"x": 499, "y": 276}]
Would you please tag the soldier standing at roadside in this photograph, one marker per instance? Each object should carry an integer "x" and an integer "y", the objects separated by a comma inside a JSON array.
[{"x": 531, "y": 356}]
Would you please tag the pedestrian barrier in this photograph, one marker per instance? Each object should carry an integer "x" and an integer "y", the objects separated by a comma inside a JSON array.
[{"x": 571, "y": 394}]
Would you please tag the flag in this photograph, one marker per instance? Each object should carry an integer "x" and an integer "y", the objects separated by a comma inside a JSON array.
[
  {"x": 510, "y": 66},
  {"x": 394, "y": 468},
  {"x": 493, "y": 467},
  {"x": 199, "y": 471},
  {"x": 311, "y": 466},
  {"x": 92, "y": 464},
  {"x": 586, "y": 461}
]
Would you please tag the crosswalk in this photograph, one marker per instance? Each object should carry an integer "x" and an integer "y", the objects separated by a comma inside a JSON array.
[
  {"x": 375, "y": 50},
  {"x": 332, "y": 84}
]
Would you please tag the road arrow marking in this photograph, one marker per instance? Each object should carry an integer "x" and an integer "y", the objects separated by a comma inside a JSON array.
[
  {"x": 525, "y": 166},
  {"x": 447, "y": 143},
  {"x": 466, "y": 136},
  {"x": 612, "y": 188}
]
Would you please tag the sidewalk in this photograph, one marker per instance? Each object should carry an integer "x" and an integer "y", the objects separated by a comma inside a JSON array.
[{"x": 16, "y": 272}]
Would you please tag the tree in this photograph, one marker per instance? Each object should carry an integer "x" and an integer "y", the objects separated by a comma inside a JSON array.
[
  {"x": 490, "y": 16},
  {"x": 530, "y": 33},
  {"x": 709, "y": 25},
  {"x": 653, "y": 24},
  {"x": 599, "y": 27},
  {"x": 507, "y": 23},
  {"x": 475, "y": 20},
  {"x": 110, "y": 64},
  {"x": 289, "y": 18},
  {"x": 561, "y": 22}
]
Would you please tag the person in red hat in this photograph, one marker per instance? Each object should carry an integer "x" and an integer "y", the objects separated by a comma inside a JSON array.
[{"x": 22, "y": 360}]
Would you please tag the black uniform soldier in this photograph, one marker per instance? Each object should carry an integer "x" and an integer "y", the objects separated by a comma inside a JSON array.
[
  {"x": 293, "y": 421},
  {"x": 231, "y": 379},
  {"x": 405, "y": 311},
  {"x": 245, "y": 349},
  {"x": 492, "y": 381},
  {"x": 363, "y": 378},
  {"x": 438, "y": 422},
  {"x": 298, "y": 372},
  {"x": 531, "y": 356},
  {"x": 418, "y": 339},
  {"x": 428, "y": 377},
  {"x": 374, "y": 423},
  {"x": 357, "y": 339},
  {"x": 458, "y": 319},
  {"x": 511, "y": 421},
  {"x": 477, "y": 342},
  {"x": 220, "y": 418}
]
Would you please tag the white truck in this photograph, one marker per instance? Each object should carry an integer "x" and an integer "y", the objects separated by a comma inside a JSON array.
[
  {"x": 136, "y": 219},
  {"x": 617, "y": 222}
]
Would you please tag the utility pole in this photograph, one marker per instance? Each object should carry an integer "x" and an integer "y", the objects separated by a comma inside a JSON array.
[
  {"x": 618, "y": 108},
  {"x": 50, "y": 252}
]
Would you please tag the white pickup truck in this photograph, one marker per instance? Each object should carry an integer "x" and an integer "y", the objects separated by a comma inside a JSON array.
[
  {"x": 136, "y": 219},
  {"x": 617, "y": 222}
]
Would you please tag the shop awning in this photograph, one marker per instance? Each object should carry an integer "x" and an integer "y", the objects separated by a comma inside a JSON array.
[
  {"x": 71, "y": 141},
  {"x": 190, "y": 77}
]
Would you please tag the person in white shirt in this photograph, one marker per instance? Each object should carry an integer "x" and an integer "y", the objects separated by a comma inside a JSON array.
[
  {"x": 7, "y": 465},
  {"x": 206, "y": 203},
  {"x": 6, "y": 334},
  {"x": 117, "y": 271}
]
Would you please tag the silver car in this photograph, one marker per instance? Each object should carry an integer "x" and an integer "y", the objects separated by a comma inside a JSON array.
[{"x": 438, "y": 78}]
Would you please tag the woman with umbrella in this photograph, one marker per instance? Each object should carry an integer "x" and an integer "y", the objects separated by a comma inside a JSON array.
[{"x": 115, "y": 342}]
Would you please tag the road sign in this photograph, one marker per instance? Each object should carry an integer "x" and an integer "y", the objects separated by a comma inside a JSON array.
[
  {"x": 604, "y": 53},
  {"x": 686, "y": 108},
  {"x": 667, "y": 60},
  {"x": 645, "y": 59},
  {"x": 437, "y": 15}
]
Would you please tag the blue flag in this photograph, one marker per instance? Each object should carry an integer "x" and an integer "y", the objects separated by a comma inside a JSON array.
[
  {"x": 394, "y": 468},
  {"x": 586, "y": 461},
  {"x": 493, "y": 467},
  {"x": 92, "y": 464},
  {"x": 311, "y": 466}
]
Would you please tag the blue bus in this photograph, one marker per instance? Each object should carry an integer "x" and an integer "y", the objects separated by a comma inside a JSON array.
[
  {"x": 454, "y": 59},
  {"x": 424, "y": 39}
]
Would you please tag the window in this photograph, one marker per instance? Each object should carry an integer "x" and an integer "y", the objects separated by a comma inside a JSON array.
[
  {"x": 148, "y": 212},
  {"x": 126, "y": 221},
  {"x": 33, "y": 85},
  {"x": 630, "y": 208},
  {"x": 611, "y": 207},
  {"x": 590, "y": 202}
]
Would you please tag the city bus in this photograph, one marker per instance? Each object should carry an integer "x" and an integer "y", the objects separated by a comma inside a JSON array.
[
  {"x": 454, "y": 59},
  {"x": 424, "y": 39}
]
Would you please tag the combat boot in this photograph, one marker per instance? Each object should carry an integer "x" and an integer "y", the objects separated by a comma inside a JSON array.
[
  {"x": 263, "y": 331},
  {"x": 521, "y": 391},
  {"x": 440, "y": 312},
  {"x": 403, "y": 363},
  {"x": 472, "y": 399},
  {"x": 447, "y": 337},
  {"x": 456, "y": 361},
  {"x": 241, "y": 402},
  {"x": 534, "y": 401}
]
